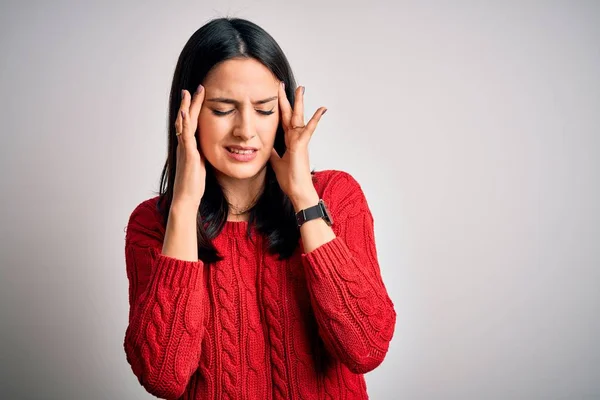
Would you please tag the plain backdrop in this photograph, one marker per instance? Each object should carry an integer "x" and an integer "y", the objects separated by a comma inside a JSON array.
[{"x": 472, "y": 126}]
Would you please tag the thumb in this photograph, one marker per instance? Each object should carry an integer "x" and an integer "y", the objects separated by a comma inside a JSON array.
[{"x": 275, "y": 159}]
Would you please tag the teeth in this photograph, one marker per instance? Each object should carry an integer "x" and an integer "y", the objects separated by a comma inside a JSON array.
[{"x": 236, "y": 151}]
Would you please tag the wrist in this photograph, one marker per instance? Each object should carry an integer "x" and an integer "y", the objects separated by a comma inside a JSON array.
[
  {"x": 308, "y": 200},
  {"x": 182, "y": 209}
]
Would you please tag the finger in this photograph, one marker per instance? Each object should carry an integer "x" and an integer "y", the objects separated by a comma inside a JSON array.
[
  {"x": 284, "y": 107},
  {"x": 312, "y": 124},
  {"x": 274, "y": 155},
  {"x": 274, "y": 159},
  {"x": 179, "y": 126},
  {"x": 298, "y": 113},
  {"x": 185, "y": 117},
  {"x": 179, "y": 119},
  {"x": 196, "y": 103}
]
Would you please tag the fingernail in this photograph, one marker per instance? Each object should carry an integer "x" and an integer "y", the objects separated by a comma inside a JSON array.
[
  {"x": 200, "y": 87},
  {"x": 182, "y": 114},
  {"x": 303, "y": 90},
  {"x": 324, "y": 112},
  {"x": 182, "y": 93},
  {"x": 282, "y": 84}
]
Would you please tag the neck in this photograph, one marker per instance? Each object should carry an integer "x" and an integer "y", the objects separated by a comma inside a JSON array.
[{"x": 241, "y": 193}]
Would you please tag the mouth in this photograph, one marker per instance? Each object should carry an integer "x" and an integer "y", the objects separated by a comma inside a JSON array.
[
  {"x": 235, "y": 150},
  {"x": 241, "y": 155}
]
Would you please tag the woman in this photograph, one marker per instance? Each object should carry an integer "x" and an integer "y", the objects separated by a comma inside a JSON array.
[{"x": 251, "y": 277}]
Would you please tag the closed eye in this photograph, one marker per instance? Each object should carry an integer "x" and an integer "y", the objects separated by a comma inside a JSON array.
[{"x": 222, "y": 113}]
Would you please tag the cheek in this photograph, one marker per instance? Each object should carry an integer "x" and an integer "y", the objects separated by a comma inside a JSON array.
[
  {"x": 210, "y": 129},
  {"x": 205, "y": 122},
  {"x": 268, "y": 128}
]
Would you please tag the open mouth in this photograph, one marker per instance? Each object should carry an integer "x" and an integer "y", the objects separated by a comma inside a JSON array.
[
  {"x": 241, "y": 155},
  {"x": 237, "y": 151}
]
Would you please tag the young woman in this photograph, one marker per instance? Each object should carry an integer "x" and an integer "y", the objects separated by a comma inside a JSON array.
[{"x": 251, "y": 277}]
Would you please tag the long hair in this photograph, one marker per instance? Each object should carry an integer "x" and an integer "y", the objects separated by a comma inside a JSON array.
[{"x": 273, "y": 214}]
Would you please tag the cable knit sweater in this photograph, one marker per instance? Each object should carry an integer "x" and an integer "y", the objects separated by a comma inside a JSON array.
[{"x": 252, "y": 326}]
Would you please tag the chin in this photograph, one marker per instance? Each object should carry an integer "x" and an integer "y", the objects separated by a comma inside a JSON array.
[{"x": 241, "y": 171}]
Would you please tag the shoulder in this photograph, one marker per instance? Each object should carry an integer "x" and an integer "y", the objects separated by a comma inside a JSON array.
[
  {"x": 339, "y": 190},
  {"x": 145, "y": 223},
  {"x": 333, "y": 182}
]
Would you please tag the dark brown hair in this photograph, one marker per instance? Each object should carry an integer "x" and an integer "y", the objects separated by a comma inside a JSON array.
[{"x": 273, "y": 214}]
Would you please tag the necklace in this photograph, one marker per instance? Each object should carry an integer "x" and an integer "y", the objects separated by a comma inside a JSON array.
[{"x": 237, "y": 211}]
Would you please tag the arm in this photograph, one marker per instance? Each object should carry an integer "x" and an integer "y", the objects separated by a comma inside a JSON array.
[
  {"x": 162, "y": 340},
  {"x": 355, "y": 315}
]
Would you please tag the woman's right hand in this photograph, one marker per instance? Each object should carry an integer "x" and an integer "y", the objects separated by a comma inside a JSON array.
[{"x": 190, "y": 174}]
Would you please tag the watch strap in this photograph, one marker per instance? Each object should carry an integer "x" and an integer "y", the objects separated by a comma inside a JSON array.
[{"x": 317, "y": 211}]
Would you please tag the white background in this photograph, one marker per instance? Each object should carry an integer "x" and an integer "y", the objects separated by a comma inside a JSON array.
[{"x": 472, "y": 126}]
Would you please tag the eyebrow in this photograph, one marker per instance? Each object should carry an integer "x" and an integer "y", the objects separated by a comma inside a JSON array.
[{"x": 235, "y": 102}]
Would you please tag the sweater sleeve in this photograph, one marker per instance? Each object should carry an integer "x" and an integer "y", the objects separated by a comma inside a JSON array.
[
  {"x": 162, "y": 340},
  {"x": 355, "y": 315}
]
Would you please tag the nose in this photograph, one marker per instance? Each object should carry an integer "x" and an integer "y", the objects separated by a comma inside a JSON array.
[{"x": 244, "y": 125}]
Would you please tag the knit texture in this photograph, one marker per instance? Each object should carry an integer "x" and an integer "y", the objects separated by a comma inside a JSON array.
[{"x": 255, "y": 327}]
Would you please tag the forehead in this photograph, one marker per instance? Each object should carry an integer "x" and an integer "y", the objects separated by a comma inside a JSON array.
[{"x": 240, "y": 75}]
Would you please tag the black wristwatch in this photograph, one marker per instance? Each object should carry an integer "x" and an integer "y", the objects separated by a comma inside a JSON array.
[{"x": 314, "y": 212}]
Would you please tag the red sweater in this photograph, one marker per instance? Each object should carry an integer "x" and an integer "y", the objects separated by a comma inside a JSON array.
[{"x": 254, "y": 327}]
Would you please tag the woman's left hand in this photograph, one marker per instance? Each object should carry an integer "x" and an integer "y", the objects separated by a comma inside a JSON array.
[{"x": 293, "y": 169}]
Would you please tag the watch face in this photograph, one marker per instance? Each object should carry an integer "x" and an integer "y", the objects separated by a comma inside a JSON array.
[{"x": 326, "y": 211}]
